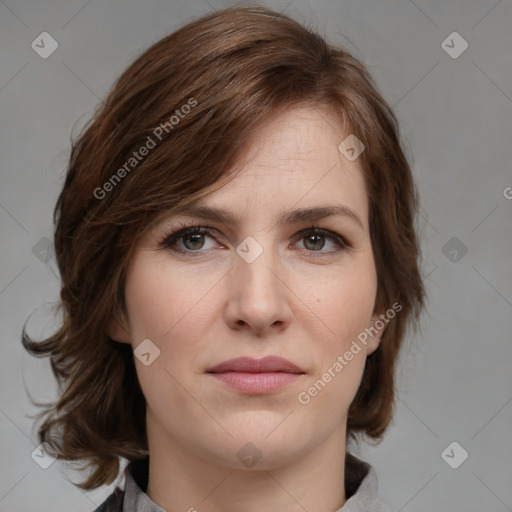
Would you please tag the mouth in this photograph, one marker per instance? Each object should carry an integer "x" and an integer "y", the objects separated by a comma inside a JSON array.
[{"x": 256, "y": 376}]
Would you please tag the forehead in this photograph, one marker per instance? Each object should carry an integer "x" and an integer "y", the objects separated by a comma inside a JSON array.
[
  {"x": 291, "y": 171},
  {"x": 294, "y": 160}
]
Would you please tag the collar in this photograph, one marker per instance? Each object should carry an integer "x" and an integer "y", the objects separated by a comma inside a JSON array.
[{"x": 360, "y": 487}]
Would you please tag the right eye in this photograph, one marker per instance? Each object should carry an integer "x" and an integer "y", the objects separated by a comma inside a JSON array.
[{"x": 190, "y": 238}]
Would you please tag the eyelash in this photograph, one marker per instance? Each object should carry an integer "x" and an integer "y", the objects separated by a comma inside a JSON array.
[{"x": 168, "y": 240}]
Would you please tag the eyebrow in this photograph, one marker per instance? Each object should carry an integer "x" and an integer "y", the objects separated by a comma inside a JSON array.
[{"x": 295, "y": 216}]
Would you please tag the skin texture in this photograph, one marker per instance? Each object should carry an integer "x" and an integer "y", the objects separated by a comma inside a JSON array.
[{"x": 300, "y": 299}]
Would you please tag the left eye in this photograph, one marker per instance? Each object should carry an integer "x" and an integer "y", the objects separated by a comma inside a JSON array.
[
  {"x": 315, "y": 239},
  {"x": 193, "y": 237}
]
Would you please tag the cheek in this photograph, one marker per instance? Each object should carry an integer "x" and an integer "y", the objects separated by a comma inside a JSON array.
[
  {"x": 160, "y": 299},
  {"x": 345, "y": 307},
  {"x": 165, "y": 307},
  {"x": 345, "y": 302},
  {"x": 172, "y": 308}
]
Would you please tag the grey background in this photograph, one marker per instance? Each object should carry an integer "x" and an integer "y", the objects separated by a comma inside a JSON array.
[{"x": 455, "y": 380}]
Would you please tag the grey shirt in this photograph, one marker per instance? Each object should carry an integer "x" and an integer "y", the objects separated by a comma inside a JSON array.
[{"x": 360, "y": 489}]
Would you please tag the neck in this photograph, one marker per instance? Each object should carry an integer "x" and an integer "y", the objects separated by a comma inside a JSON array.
[{"x": 180, "y": 479}]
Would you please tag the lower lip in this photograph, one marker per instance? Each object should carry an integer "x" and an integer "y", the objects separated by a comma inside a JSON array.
[{"x": 257, "y": 383}]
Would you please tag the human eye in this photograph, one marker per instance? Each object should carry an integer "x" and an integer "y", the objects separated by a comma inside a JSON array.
[
  {"x": 190, "y": 240},
  {"x": 187, "y": 239},
  {"x": 315, "y": 238}
]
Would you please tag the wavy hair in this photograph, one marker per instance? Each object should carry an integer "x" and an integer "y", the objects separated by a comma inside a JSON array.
[{"x": 233, "y": 69}]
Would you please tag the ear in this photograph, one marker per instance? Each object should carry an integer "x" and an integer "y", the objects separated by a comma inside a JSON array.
[
  {"x": 377, "y": 327},
  {"x": 117, "y": 331}
]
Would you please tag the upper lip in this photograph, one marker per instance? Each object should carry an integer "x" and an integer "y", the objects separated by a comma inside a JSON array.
[{"x": 251, "y": 365}]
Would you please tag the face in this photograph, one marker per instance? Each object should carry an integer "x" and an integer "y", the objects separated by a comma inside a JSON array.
[{"x": 302, "y": 289}]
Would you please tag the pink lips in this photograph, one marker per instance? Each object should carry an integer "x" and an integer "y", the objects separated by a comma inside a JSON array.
[{"x": 256, "y": 376}]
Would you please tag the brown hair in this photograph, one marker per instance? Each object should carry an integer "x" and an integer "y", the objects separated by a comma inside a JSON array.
[{"x": 232, "y": 69}]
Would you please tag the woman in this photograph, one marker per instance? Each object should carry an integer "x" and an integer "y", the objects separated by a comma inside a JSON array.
[{"x": 236, "y": 244}]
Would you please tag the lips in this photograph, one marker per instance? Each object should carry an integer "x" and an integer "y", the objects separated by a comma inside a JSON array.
[
  {"x": 256, "y": 376},
  {"x": 267, "y": 364}
]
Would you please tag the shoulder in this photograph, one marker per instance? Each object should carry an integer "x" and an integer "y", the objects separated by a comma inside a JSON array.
[
  {"x": 114, "y": 503},
  {"x": 361, "y": 487},
  {"x": 127, "y": 494}
]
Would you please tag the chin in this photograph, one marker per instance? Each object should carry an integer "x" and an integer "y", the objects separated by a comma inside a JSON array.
[{"x": 259, "y": 450}]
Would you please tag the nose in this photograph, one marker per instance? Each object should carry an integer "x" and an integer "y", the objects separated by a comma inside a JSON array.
[{"x": 258, "y": 298}]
